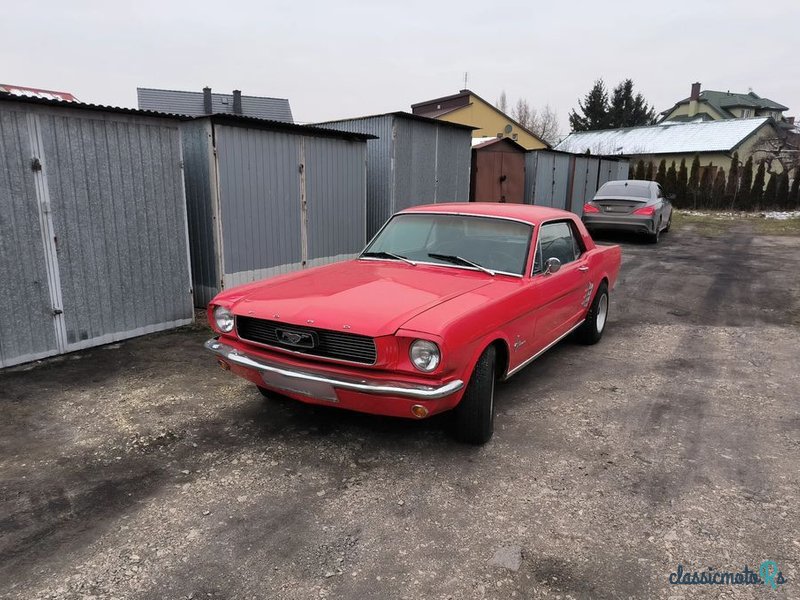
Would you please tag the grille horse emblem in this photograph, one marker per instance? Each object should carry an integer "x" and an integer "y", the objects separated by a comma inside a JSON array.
[{"x": 299, "y": 339}]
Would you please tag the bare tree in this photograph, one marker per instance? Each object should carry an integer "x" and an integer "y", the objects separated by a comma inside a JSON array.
[
  {"x": 544, "y": 124},
  {"x": 502, "y": 102},
  {"x": 523, "y": 113},
  {"x": 782, "y": 148}
]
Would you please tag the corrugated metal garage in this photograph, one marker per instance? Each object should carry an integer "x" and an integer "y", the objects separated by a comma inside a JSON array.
[
  {"x": 93, "y": 233},
  {"x": 415, "y": 160},
  {"x": 567, "y": 181},
  {"x": 266, "y": 198}
]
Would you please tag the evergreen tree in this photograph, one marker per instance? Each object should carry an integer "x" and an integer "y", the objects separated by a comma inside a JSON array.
[
  {"x": 757, "y": 191},
  {"x": 681, "y": 184},
  {"x": 594, "y": 110},
  {"x": 718, "y": 190},
  {"x": 794, "y": 192},
  {"x": 733, "y": 180},
  {"x": 648, "y": 173},
  {"x": 693, "y": 187},
  {"x": 640, "y": 172},
  {"x": 627, "y": 109},
  {"x": 671, "y": 181},
  {"x": 782, "y": 190},
  {"x": 746, "y": 185},
  {"x": 661, "y": 174},
  {"x": 706, "y": 186},
  {"x": 769, "y": 199}
]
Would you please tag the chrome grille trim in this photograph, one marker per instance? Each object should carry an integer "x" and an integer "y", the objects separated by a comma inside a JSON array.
[{"x": 332, "y": 345}]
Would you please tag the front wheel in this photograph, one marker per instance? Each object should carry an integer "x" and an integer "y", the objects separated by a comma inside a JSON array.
[
  {"x": 595, "y": 324},
  {"x": 474, "y": 415}
]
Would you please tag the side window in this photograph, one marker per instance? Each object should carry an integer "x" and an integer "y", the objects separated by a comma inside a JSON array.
[
  {"x": 660, "y": 193},
  {"x": 556, "y": 240}
]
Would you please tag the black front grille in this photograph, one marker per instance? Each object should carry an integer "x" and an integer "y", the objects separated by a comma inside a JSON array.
[{"x": 326, "y": 343}]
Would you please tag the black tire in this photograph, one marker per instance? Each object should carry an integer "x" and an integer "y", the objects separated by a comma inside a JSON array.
[
  {"x": 593, "y": 327},
  {"x": 669, "y": 224},
  {"x": 268, "y": 395},
  {"x": 474, "y": 415},
  {"x": 654, "y": 237}
]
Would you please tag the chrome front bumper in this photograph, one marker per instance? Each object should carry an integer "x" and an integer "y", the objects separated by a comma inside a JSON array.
[{"x": 356, "y": 384}]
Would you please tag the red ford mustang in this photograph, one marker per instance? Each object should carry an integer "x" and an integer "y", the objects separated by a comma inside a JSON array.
[{"x": 443, "y": 302}]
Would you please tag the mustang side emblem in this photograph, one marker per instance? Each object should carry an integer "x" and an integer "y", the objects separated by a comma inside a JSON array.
[
  {"x": 588, "y": 295},
  {"x": 299, "y": 339}
]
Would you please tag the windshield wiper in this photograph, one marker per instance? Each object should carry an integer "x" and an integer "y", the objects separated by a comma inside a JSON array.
[
  {"x": 384, "y": 254},
  {"x": 459, "y": 260}
]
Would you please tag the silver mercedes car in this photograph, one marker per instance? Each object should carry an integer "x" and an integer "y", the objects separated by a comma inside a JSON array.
[{"x": 629, "y": 205}]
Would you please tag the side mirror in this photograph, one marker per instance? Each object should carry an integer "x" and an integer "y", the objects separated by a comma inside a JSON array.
[{"x": 552, "y": 265}]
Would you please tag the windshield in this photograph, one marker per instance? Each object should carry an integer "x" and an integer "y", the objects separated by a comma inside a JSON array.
[{"x": 471, "y": 242}]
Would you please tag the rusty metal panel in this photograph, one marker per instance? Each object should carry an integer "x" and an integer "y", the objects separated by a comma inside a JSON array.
[
  {"x": 26, "y": 325},
  {"x": 498, "y": 173}
]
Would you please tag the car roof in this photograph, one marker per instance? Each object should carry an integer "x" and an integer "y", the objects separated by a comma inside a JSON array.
[{"x": 520, "y": 212}]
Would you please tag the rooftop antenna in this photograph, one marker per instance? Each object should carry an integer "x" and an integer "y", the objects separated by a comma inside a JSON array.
[{"x": 466, "y": 77}]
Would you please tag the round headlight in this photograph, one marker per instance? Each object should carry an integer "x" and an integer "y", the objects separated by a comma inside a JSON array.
[
  {"x": 223, "y": 318},
  {"x": 425, "y": 355}
]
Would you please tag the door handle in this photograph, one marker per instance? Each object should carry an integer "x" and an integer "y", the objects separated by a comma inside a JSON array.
[{"x": 583, "y": 269}]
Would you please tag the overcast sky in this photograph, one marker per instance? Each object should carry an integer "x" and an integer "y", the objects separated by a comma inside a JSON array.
[{"x": 346, "y": 58}]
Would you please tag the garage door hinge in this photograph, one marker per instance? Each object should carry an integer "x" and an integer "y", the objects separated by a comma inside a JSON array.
[
  {"x": 57, "y": 311},
  {"x": 36, "y": 164}
]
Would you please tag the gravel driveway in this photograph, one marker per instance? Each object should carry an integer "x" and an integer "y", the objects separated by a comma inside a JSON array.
[{"x": 141, "y": 470}]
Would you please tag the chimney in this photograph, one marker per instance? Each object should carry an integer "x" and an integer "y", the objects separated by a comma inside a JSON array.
[
  {"x": 237, "y": 102},
  {"x": 694, "y": 99},
  {"x": 207, "y": 106}
]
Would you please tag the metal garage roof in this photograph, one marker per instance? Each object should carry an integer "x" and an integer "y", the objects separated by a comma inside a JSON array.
[{"x": 668, "y": 137}]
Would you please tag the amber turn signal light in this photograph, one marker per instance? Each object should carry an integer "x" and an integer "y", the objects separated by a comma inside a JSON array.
[{"x": 419, "y": 411}]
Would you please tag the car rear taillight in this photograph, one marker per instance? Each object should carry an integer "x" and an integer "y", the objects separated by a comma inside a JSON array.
[
  {"x": 648, "y": 211},
  {"x": 590, "y": 208}
]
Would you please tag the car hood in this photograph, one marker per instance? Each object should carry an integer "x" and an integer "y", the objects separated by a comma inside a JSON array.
[{"x": 367, "y": 297}]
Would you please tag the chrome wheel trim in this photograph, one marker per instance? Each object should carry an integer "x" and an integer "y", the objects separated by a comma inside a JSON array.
[{"x": 602, "y": 313}]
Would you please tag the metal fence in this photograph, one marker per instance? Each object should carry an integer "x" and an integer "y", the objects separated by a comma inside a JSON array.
[
  {"x": 93, "y": 237},
  {"x": 567, "y": 181}
]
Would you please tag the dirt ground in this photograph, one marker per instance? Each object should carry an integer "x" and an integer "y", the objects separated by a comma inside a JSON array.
[{"x": 141, "y": 470}]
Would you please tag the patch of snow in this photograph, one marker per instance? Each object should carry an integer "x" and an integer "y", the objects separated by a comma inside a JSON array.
[{"x": 778, "y": 215}]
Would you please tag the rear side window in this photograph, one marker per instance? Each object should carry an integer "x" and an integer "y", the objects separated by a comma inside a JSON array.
[{"x": 557, "y": 240}]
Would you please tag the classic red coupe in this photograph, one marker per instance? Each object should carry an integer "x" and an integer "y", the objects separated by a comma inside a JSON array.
[{"x": 444, "y": 301}]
